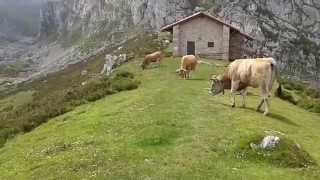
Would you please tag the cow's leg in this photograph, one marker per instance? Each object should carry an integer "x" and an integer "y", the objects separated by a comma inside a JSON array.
[
  {"x": 159, "y": 62},
  {"x": 260, "y": 105},
  {"x": 265, "y": 101},
  {"x": 234, "y": 87},
  {"x": 244, "y": 96},
  {"x": 266, "y": 106}
]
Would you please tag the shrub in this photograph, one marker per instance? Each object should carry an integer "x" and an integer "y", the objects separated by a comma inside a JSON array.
[
  {"x": 124, "y": 74},
  {"x": 307, "y": 96},
  {"x": 316, "y": 107},
  {"x": 291, "y": 85},
  {"x": 5, "y": 134},
  {"x": 312, "y": 93},
  {"x": 124, "y": 84},
  {"x": 286, "y": 95},
  {"x": 7, "y": 108},
  {"x": 306, "y": 103}
]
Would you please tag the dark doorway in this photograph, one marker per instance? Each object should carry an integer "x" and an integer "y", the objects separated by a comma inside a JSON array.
[{"x": 191, "y": 48}]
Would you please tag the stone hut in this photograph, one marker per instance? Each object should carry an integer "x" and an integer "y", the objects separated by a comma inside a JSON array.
[{"x": 205, "y": 35}]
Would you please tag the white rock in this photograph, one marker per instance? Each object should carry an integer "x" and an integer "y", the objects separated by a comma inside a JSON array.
[
  {"x": 84, "y": 73},
  {"x": 268, "y": 142}
]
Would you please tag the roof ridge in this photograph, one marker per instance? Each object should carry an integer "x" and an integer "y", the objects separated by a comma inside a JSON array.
[{"x": 167, "y": 27}]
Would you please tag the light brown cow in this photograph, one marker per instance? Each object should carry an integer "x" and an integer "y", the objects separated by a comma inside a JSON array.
[
  {"x": 244, "y": 73},
  {"x": 155, "y": 57},
  {"x": 188, "y": 64}
]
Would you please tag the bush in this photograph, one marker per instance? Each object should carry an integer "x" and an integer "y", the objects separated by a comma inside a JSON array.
[
  {"x": 7, "y": 108},
  {"x": 124, "y": 84},
  {"x": 313, "y": 93},
  {"x": 316, "y": 107},
  {"x": 5, "y": 134},
  {"x": 286, "y": 95},
  {"x": 306, "y": 103},
  {"x": 124, "y": 74},
  {"x": 291, "y": 85},
  {"x": 308, "y": 98}
]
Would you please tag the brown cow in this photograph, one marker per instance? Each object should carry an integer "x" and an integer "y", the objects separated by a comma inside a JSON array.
[
  {"x": 188, "y": 64},
  {"x": 244, "y": 73},
  {"x": 155, "y": 57}
]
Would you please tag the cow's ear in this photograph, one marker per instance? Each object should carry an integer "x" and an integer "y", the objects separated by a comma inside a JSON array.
[{"x": 214, "y": 80}]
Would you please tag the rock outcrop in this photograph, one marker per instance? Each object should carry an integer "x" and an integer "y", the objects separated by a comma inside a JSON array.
[
  {"x": 286, "y": 29},
  {"x": 113, "y": 17}
]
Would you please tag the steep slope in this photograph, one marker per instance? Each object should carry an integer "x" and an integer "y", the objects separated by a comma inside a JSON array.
[{"x": 167, "y": 129}]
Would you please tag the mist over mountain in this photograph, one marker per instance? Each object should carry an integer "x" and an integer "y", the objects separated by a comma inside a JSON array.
[{"x": 20, "y": 17}]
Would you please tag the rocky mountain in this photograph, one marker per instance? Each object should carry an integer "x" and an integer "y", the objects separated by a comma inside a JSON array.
[
  {"x": 112, "y": 17},
  {"x": 286, "y": 29},
  {"x": 73, "y": 29}
]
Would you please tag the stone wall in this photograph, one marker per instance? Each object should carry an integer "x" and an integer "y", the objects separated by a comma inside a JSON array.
[
  {"x": 236, "y": 46},
  {"x": 176, "y": 41},
  {"x": 202, "y": 30},
  {"x": 226, "y": 43}
]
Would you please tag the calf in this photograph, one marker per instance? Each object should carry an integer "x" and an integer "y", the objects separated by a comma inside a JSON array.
[
  {"x": 188, "y": 64},
  {"x": 244, "y": 73}
]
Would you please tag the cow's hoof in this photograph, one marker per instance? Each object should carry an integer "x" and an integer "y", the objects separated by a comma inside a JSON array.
[{"x": 233, "y": 105}]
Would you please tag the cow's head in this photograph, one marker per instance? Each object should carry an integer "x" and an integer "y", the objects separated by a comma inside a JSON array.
[
  {"x": 216, "y": 85},
  {"x": 181, "y": 72}
]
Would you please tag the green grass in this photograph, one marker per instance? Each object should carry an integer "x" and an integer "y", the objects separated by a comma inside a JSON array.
[
  {"x": 23, "y": 118},
  {"x": 166, "y": 129}
]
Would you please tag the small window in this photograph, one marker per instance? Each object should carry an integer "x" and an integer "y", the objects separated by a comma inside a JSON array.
[{"x": 210, "y": 44}]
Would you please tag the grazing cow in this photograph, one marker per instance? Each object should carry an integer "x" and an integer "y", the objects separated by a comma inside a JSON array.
[
  {"x": 155, "y": 57},
  {"x": 188, "y": 64},
  {"x": 244, "y": 73}
]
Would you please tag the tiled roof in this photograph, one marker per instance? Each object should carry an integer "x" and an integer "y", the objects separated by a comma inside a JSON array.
[{"x": 199, "y": 14}]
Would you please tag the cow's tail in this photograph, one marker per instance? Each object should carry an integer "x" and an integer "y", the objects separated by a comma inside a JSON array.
[
  {"x": 204, "y": 62},
  {"x": 275, "y": 77}
]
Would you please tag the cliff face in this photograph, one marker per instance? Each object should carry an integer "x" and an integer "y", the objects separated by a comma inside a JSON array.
[
  {"x": 90, "y": 17},
  {"x": 286, "y": 29}
]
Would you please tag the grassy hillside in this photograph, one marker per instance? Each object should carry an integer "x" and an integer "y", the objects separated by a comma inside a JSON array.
[{"x": 166, "y": 129}]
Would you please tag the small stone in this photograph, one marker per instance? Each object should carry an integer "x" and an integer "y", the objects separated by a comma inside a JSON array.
[
  {"x": 270, "y": 142},
  {"x": 84, "y": 73},
  {"x": 84, "y": 83}
]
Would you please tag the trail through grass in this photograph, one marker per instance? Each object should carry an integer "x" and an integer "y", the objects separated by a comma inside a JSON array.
[{"x": 166, "y": 129}]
